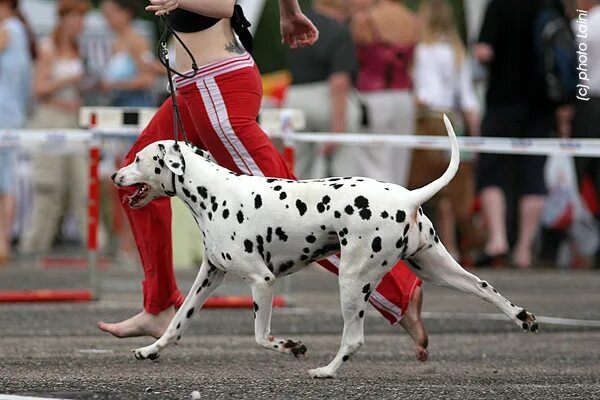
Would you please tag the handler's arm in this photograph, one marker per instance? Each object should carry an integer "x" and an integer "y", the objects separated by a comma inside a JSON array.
[{"x": 209, "y": 8}]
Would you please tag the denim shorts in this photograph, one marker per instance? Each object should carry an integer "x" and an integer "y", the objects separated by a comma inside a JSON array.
[{"x": 8, "y": 169}]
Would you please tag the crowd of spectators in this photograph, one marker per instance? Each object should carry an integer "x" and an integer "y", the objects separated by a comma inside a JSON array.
[{"x": 378, "y": 67}]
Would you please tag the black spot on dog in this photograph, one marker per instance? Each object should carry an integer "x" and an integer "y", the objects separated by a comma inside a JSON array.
[
  {"x": 240, "y": 216},
  {"x": 365, "y": 214},
  {"x": 361, "y": 314},
  {"x": 194, "y": 198},
  {"x": 255, "y": 306},
  {"x": 306, "y": 250},
  {"x": 202, "y": 192},
  {"x": 436, "y": 239},
  {"x": 258, "y": 201},
  {"x": 495, "y": 291},
  {"x": 349, "y": 209},
  {"x": 320, "y": 207},
  {"x": 311, "y": 239},
  {"x": 186, "y": 192},
  {"x": 366, "y": 288},
  {"x": 431, "y": 231},
  {"x": 361, "y": 202},
  {"x": 406, "y": 228},
  {"x": 161, "y": 163},
  {"x": 344, "y": 242},
  {"x": 180, "y": 179},
  {"x": 228, "y": 256},
  {"x": 301, "y": 206},
  {"x": 202, "y": 205},
  {"x": 376, "y": 244},
  {"x": 484, "y": 284},
  {"x": 337, "y": 186},
  {"x": 276, "y": 188},
  {"x": 285, "y": 266},
  {"x": 282, "y": 196},
  {"x": 225, "y": 213},
  {"x": 400, "y": 216},
  {"x": 325, "y": 199},
  {"x": 281, "y": 234},
  {"x": 190, "y": 312},
  {"x": 346, "y": 357},
  {"x": 214, "y": 206},
  {"x": 178, "y": 325},
  {"x": 269, "y": 234},
  {"x": 384, "y": 214},
  {"x": 210, "y": 216},
  {"x": 337, "y": 214},
  {"x": 267, "y": 278},
  {"x": 248, "y": 246},
  {"x": 383, "y": 264},
  {"x": 522, "y": 316},
  {"x": 205, "y": 283},
  {"x": 420, "y": 226},
  {"x": 303, "y": 257},
  {"x": 157, "y": 171},
  {"x": 323, "y": 227}
]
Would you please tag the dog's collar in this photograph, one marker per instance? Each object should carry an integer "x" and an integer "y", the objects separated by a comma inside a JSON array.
[{"x": 174, "y": 192}]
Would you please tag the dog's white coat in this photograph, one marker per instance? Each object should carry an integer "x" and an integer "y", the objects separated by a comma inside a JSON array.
[{"x": 259, "y": 229}]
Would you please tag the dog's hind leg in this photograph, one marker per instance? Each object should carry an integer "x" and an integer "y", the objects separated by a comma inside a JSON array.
[
  {"x": 435, "y": 265},
  {"x": 357, "y": 281},
  {"x": 262, "y": 293},
  {"x": 208, "y": 279}
]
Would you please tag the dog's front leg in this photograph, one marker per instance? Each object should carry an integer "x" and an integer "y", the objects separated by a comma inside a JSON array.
[
  {"x": 208, "y": 279},
  {"x": 262, "y": 293}
]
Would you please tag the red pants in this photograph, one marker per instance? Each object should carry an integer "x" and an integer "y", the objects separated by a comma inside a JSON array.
[{"x": 219, "y": 107}]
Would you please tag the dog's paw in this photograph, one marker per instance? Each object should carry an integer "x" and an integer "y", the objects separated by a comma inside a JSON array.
[
  {"x": 145, "y": 353},
  {"x": 527, "y": 321},
  {"x": 297, "y": 349},
  {"x": 321, "y": 373}
]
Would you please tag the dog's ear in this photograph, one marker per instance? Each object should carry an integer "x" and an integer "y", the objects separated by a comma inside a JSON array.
[{"x": 174, "y": 160}]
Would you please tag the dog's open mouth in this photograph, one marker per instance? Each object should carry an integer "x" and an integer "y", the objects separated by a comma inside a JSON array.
[{"x": 140, "y": 194}]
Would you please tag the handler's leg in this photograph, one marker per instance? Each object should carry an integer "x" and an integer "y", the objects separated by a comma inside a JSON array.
[{"x": 161, "y": 294}]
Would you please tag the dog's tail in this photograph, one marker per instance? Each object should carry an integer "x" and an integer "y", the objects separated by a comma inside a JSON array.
[{"x": 421, "y": 195}]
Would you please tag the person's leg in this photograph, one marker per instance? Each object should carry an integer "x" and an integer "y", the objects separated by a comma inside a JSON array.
[
  {"x": 225, "y": 110},
  {"x": 7, "y": 200},
  {"x": 160, "y": 290},
  {"x": 532, "y": 188},
  {"x": 48, "y": 188}
]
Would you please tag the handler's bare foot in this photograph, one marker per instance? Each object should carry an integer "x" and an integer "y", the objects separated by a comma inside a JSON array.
[
  {"x": 412, "y": 323},
  {"x": 142, "y": 324}
]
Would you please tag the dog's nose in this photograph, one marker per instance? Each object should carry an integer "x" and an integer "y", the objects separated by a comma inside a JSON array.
[{"x": 113, "y": 176}]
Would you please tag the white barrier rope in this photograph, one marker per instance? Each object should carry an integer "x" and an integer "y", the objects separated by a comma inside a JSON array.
[{"x": 576, "y": 147}]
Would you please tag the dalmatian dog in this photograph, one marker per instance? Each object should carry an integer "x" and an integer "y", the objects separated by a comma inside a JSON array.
[{"x": 261, "y": 229}]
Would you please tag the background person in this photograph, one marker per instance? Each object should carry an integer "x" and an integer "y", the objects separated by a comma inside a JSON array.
[
  {"x": 586, "y": 121},
  {"x": 58, "y": 178},
  {"x": 443, "y": 85},
  {"x": 322, "y": 81},
  {"x": 129, "y": 76},
  {"x": 385, "y": 33},
  {"x": 219, "y": 108},
  {"x": 516, "y": 106},
  {"x": 17, "y": 49}
]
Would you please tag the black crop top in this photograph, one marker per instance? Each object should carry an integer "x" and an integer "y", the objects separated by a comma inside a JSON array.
[{"x": 187, "y": 21}]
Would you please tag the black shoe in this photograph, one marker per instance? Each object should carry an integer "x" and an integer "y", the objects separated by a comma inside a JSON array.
[{"x": 488, "y": 260}]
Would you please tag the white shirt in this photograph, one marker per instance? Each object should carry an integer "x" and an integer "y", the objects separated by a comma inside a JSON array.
[{"x": 439, "y": 83}]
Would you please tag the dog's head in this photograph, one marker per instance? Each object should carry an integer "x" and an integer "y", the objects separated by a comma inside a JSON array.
[{"x": 155, "y": 170}]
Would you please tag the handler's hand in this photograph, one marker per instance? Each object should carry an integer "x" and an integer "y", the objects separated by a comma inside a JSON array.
[
  {"x": 297, "y": 30},
  {"x": 162, "y": 7}
]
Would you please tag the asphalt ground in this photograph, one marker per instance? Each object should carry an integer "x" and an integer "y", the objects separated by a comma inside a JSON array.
[{"x": 55, "y": 350}]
